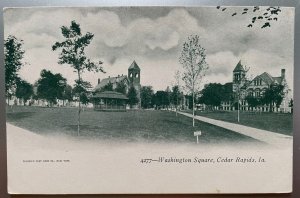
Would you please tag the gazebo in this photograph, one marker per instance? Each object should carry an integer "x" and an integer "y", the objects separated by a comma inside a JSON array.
[{"x": 109, "y": 101}]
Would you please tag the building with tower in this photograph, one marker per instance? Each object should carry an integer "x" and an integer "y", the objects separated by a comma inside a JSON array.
[
  {"x": 134, "y": 78},
  {"x": 255, "y": 88},
  {"x": 106, "y": 91}
]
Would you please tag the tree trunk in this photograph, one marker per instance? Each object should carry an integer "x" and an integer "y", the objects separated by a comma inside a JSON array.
[
  {"x": 238, "y": 119},
  {"x": 79, "y": 108},
  {"x": 193, "y": 106},
  {"x": 176, "y": 105},
  {"x": 78, "y": 119}
]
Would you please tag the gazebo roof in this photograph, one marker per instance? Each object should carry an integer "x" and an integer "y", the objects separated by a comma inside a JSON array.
[{"x": 111, "y": 95}]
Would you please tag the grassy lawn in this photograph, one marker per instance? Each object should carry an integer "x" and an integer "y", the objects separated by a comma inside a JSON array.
[
  {"x": 276, "y": 122},
  {"x": 130, "y": 126}
]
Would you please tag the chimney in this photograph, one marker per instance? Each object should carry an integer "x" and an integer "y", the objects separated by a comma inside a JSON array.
[
  {"x": 283, "y": 73},
  {"x": 98, "y": 80}
]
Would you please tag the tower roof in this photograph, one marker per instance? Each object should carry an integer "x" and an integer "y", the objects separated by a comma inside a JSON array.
[
  {"x": 239, "y": 67},
  {"x": 134, "y": 65}
]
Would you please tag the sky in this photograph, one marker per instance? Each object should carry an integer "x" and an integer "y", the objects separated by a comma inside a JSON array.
[{"x": 153, "y": 37}]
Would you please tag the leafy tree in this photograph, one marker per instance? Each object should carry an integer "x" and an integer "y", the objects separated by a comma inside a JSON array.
[
  {"x": 176, "y": 96},
  {"x": 50, "y": 86},
  {"x": 161, "y": 99},
  {"x": 24, "y": 90},
  {"x": 189, "y": 99},
  {"x": 81, "y": 90},
  {"x": 212, "y": 94},
  {"x": 193, "y": 59},
  {"x": 146, "y": 97},
  {"x": 73, "y": 54},
  {"x": 253, "y": 101},
  {"x": 227, "y": 94},
  {"x": 121, "y": 87},
  {"x": 132, "y": 96},
  {"x": 261, "y": 14},
  {"x": 274, "y": 95},
  {"x": 13, "y": 55},
  {"x": 67, "y": 94},
  {"x": 168, "y": 91},
  {"x": 107, "y": 87}
]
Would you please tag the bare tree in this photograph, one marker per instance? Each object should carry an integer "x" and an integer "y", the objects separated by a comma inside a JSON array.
[
  {"x": 241, "y": 84},
  {"x": 193, "y": 59}
]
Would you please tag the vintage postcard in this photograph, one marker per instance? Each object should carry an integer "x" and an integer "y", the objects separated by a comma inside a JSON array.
[{"x": 146, "y": 100}]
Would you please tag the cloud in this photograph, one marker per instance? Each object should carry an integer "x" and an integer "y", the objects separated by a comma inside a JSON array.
[
  {"x": 154, "y": 39},
  {"x": 222, "y": 62}
]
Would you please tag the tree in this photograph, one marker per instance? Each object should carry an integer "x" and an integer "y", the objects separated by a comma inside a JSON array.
[
  {"x": 132, "y": 96},
  {"x": 227, "y": 94},
  {"x": 50, "y": 86},
  {"x": 121, "y": 87},
  {"x": 175, "y": 96},
  {"x": 24, "y": 90},
  {"x": 168, "y": 91},
  {"x": 107, "y": 87},
  {"x": 212, "y": 94},
  {"x": 264, "y": 15},
  {"x": 274, "y": 95},
  {"x": 67, "y": 94},
  {"x": 73, "y": 54},
  {"x": 81, "y": 90},
  {"x": 239, "y": 87},
  {"x": 161, "y": 99},
  {"x": 253, "y": 101},
  {"x": 146, "y": 97},
  {"x": 193, "y": 59},
  {"x": 13, "y": 55}
]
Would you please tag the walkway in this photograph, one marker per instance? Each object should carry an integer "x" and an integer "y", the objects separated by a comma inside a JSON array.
[{"x": 272, "y": 138}]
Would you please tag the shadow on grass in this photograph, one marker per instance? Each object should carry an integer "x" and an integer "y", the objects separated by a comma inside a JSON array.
[{"x": 18, "y": 116}]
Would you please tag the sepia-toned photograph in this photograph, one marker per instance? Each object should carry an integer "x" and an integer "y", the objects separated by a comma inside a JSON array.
[{"x": 145, "y": 100}]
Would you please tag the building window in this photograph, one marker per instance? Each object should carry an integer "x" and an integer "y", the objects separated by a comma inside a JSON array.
[{"x": 257, "y": 93}]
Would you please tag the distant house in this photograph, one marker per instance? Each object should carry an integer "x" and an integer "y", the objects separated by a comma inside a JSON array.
[
  {"x": 102, "y": 97},
  {"x": 255, "y": 88}
]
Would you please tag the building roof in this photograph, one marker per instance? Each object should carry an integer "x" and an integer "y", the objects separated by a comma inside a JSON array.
[
  {"x": 267, "y": 78},
  {"x": 239, "y": 67},
  {"x": 134, "y": 65},
  {"x": 112, "y": 80},
  {"x": 278, "y": 79},
  {"x": 110, "y": 95}
]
